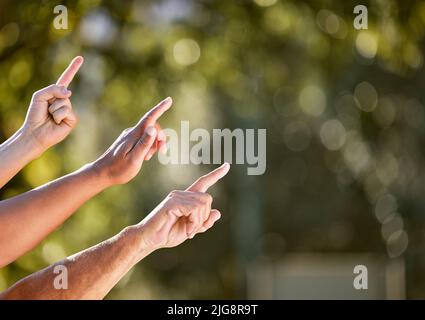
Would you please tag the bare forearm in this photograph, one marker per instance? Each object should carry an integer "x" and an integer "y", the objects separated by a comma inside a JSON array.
[
  {"x": 91, "y": 273},
  {"x": 15, "y": 153},
  {"x": 27, "y": 219}
]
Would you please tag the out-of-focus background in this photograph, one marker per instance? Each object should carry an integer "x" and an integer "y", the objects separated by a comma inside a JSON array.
[{"x": 345, "y": 119}]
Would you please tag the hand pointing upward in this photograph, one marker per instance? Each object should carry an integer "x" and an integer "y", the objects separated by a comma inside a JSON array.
[
  {"x": 124, "y": 158},
  {"x": 50, "y": 117},
  {"x": 66, "y": 77}
]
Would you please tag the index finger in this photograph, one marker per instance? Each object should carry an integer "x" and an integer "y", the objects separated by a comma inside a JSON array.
[
  {"x": 152, "y": 116},
  {"x": 69, "y": 73},
  {"x": 156, "y": 112},
  {"x": 206, "y": 181}
]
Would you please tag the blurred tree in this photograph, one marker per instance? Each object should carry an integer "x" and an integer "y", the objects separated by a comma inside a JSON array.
[{"x": 343, "y": 109}]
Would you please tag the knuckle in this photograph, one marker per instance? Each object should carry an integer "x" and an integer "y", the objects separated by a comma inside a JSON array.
[
  {"x": 133, "y": 161},
  {"x": 177, "y": 195},
  {"x": 37, "y": 94},
  {"x": 204, "y": 197},
  {"x": 57, "y": 113},
  {"x": 202, "y": 179},
  {"x": 144, "y": 143},
  {"x": 174, "y": 192},
  {"x": 60, "y": 89},
  {"x": 208, "y": 197},
  {"x": 52, "y": 87},
  {"x": 63, "y": 111},
  {"x": 124, "y": 133}
]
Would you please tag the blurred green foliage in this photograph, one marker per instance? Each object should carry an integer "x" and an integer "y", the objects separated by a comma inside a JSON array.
[{"x": 343, "y": 109}]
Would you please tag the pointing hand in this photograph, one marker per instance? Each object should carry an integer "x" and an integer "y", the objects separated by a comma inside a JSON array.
[
  {"x": 182, "y": 214},
  {"x": 50, "y": 117}
]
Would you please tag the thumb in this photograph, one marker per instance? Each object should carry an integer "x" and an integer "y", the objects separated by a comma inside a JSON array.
[{"x": 142, "y": 147}]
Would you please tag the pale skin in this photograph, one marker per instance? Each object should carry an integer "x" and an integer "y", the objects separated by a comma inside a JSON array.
[
  {"x": 49, "y": 120},
  {"x": 118, "y": 165},
  {"x": 41, "y": 128},
  {"x": 92, "y": 273}
]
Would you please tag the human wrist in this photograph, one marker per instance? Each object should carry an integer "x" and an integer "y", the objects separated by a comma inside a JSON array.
[
  {"x": 27, "y": 142},
  {"x": 97, "y": 175},
  {"x": 135, "y": 236}
]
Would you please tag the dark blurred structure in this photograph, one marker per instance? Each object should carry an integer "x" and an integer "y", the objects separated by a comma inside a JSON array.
[{"x": 345, "y": 125}]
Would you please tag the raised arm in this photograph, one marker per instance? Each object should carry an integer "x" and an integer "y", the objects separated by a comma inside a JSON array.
[
  {"x": 49, "y": 120},
  {"x": 28, "y": 218},
  {"x": 92, "y": 273}
]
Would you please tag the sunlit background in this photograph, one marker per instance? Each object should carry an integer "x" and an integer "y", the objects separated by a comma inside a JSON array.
[{"x": 345, "y": 120}]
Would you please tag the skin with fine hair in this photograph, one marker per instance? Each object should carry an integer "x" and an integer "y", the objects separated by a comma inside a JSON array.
[
  {"x": 94, "y": 271},
  {"x": 44, "y": 127}
]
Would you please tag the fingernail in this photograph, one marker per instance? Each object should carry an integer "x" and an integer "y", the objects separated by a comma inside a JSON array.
[
  {"x": 163, "y": 149},
  {"x": 226, "y": 166},
  {"x": 151, "y": 131}
]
